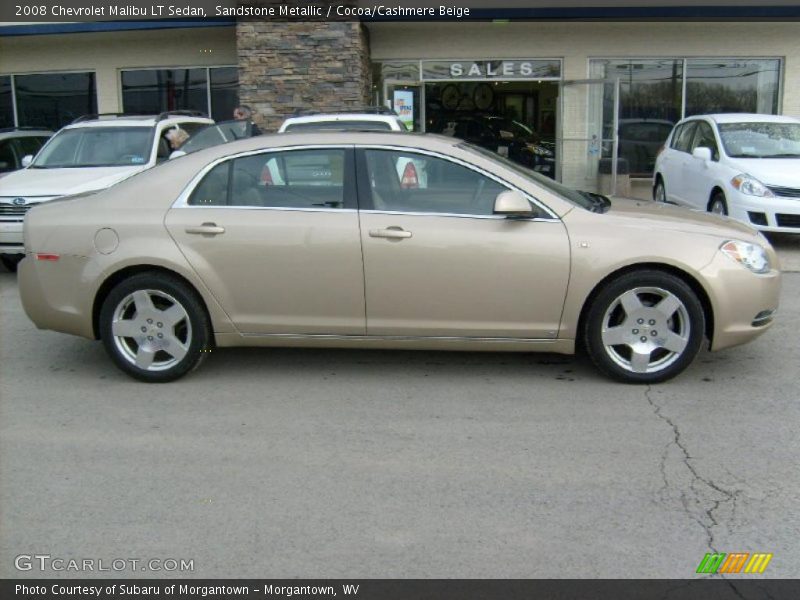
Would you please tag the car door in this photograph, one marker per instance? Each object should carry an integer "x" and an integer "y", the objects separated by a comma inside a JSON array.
[
  {"x": 438, "y": 263},
  {"x": 675, "y": 160},
  {"x": 699, "y": 175},
  {"x": 280, "y": 255}
]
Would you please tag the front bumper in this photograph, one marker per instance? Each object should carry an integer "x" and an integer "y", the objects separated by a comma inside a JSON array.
[
  {"x": 780, "y": 214},
  {"x": 743, "y": 302},
  {"x": 11, "y": 241}
]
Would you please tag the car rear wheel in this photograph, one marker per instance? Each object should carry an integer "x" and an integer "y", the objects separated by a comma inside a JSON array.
[
  {"x": 644, "y": 327},
  {"x": 154, "y": 327},
  {"x": 11, "y": 261},
  {"x": 660, "y": 192},
  {"x": 718, "y": 204}
]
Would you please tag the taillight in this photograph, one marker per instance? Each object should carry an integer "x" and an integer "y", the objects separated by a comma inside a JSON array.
[
  {"x": 409, "y": 179},
  {"x": 50, "y": 257}
]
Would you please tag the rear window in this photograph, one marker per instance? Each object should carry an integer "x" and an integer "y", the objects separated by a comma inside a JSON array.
[{"x": 340, "y": 126}]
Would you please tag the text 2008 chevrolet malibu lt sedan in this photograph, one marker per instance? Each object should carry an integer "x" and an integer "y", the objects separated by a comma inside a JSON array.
[{"x": 319, "y": 239}]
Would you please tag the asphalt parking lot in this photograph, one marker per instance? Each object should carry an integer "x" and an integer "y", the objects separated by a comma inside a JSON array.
[{"x": 332, "y": 463}]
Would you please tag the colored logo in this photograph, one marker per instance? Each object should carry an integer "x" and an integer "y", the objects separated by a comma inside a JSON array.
[
  {"x": 18, "y": 201},
  {"x": 735, "y": 562}
]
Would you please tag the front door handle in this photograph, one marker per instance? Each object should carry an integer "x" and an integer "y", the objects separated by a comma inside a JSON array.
[
  {"x": 206, "y": 229},
  {"x": 392, "y": 233}
]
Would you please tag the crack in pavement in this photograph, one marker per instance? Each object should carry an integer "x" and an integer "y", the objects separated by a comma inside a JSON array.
[{"x": 704, "y": 490}]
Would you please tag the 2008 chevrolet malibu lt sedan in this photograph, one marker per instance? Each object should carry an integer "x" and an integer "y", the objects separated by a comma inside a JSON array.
[{"x": 387, "y": 240}]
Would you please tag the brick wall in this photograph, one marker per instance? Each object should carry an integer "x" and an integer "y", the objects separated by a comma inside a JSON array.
[{"x": 286, "y": 66}]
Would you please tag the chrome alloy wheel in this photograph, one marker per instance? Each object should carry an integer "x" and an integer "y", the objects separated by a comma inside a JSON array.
[
  {"x": 151, "y": 330},
  {"x": 646, "y": 329}
]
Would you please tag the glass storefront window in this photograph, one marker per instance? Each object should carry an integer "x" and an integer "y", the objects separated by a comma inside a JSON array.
[
  {"x": 154, "y": 91},
  {"x": 6, "y": 105},
  {"x": 652, "y": 97},
  {"x": 151, "y": 91},
  {"x": 52, "y": 100},
  {"x": 738, "y": 85},
  {"x": 650, "y": 104},
  {"x": 224, "y": 82}
]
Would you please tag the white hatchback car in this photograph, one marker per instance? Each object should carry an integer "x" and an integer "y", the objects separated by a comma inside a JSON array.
[
  {"x": 92, "y": 153},
  {"x": 743, "y": 165}
]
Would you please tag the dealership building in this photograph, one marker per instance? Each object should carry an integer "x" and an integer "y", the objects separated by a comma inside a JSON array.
[{"x": 602, "y": 85}]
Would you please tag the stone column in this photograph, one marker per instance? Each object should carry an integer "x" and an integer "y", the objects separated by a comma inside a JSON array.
[{"x": 286, "y": 66}]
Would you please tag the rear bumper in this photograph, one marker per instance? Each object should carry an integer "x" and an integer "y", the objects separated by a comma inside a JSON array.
[{"x": 52, "y": 296}]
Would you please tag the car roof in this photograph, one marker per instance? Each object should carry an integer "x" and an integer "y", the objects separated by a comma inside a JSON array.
[
  {"x": 746, "y": 118},
  {"x": 321, "y": 118},
  {"x": 424, "y": 141},
  {"x": 15, "y": 133},
  {"x": 137, "y": 121}
]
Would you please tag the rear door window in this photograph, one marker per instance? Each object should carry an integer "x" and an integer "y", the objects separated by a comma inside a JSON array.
[{"x": 683, "y": 138}]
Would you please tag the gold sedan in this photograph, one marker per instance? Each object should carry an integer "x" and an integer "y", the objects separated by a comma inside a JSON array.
[{"x": 385, "y": 240}]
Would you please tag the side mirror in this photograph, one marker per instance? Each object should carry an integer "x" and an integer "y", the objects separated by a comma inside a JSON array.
[
  {"x": 512, "y": 204},
  {"x": 27, "y": 160},
  {"x": 176, "y": 154},
  {"x": 702, "y": 153}
]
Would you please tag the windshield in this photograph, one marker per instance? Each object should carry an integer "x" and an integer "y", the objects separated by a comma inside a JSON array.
[
  {"x": 96, "y": 147},
  {"x": 761, "y": 140},
  {"x": 214, "y": 135},
  {"x": 587, "y": 200},
  {"x": 508, "y": 129}
]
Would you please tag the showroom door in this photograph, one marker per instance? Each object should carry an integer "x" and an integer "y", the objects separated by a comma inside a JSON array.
[{"x": 587, "y": 134}]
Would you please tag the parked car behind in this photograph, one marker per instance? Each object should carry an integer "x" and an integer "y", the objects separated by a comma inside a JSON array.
[
  {"x": 215, "y": 134},
  {"x": 743, "y": 165},
  {"x": 92, "y": 153},
  {"x": 18, "y": 142},
  {"x": 488, "y": 255},
  {"x": 376, "y": 118},
  {"x": 505, "y": 136}
]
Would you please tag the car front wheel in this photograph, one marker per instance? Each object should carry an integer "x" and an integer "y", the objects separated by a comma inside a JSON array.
[
  {"x": 644, "y": 327},
  {"x": 718, "y": 205},
  {"x": 154, "y": 327},
  {"x": 660, "y": 192}
]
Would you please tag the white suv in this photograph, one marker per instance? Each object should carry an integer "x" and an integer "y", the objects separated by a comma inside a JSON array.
[
  {"x": 92, "y": 153},
  {"x": 743, "y": 165}
]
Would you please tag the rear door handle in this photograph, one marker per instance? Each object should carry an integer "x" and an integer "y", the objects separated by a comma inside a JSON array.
[
  {"x": 392, "y": 233},
  {"x": 206, "y": 229}
]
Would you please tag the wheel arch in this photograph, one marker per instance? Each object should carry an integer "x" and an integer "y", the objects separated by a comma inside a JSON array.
[
  {"x": 714, "y": 190},
  {"x": 686, "y": 277},
  {"x": 117, "y": 276}
]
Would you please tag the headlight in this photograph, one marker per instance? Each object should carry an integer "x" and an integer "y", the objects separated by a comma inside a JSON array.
[
  {"x": 751, "y": 256},
  {"x": 751, "y": 186},
  {"x": 539, "y": 150}
]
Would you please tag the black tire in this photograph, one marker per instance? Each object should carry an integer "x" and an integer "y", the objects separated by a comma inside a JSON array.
[
  {"x": 718, "y": 204},
  {"x": 660, "y": 191},
  {"x": 636, "y": 327},
  {"x": 190, "y": 335},
  {"x": 11, "y": 261}
]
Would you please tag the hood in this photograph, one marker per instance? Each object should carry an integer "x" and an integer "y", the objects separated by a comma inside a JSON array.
[
  {"x": 30, "y": 183},
  {"x": 784, "y": 172},
  {"x": 656, "y": 215}
]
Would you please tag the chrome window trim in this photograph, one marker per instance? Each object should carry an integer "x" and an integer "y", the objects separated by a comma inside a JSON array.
[
  {"x": 182, "y": 200},
  {"x": 458, "y": 215},
  {"x": 467, "y": 165}
]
